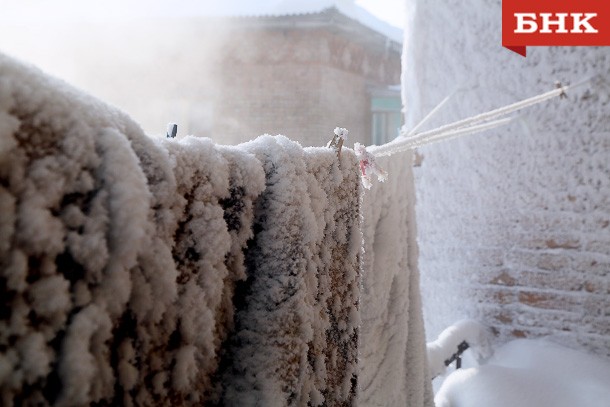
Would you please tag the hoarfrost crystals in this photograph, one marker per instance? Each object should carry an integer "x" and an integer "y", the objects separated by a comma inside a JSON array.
[
  {"x": 123, "y": 258},
  {"x": 369, "y": 166},
  {"x": 341, "y": 132}
]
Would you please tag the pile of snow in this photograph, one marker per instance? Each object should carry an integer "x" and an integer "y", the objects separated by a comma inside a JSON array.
[
  {"x": 530, "y": 373},
  {"x": 477, "y": 336},
  {"x": 141, "y": 271}
]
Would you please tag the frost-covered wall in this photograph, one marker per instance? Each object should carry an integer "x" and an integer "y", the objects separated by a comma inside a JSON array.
[
  {"x": 178, "y": 272},
  {"x": 514, "y": 224}
]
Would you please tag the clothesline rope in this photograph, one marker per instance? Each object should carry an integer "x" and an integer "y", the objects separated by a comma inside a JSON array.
[
  {"x": 430, "y": 115},
  {"x": 407, "y": 140},
  {"x": 448, "y": 135}
]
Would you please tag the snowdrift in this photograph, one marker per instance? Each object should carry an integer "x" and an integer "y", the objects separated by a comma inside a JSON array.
[
  {"x": 180, "y": 272},
  {"x": 530, "y": 373}
]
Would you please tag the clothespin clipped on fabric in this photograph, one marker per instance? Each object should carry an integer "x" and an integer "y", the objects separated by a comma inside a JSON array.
[
  {"x": 172, "y": 130},
  {"x": 338, "y": 139}
]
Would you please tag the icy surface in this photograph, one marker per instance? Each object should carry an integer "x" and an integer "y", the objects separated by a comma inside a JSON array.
[{"x": 530, "y": 373}]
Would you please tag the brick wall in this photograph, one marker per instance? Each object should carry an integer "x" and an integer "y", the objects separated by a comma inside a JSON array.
[
  {"x": 298, "y": 82},
  {"x": 514, "y": 225},
  {"x": 229, "y": 79}
]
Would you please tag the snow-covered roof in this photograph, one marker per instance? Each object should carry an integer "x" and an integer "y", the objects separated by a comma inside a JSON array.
[
  {"x": 64, "y": 11},
  {"x": 300, "y": 7}
]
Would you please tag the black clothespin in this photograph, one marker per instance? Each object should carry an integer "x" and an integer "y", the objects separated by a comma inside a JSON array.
[{"x": 172, "y": 130}]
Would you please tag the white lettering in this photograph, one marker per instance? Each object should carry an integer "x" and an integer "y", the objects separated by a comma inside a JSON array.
[
  {"x": 528, "y": 23},
  {"x": 524, "y": 19},
  {"x": 578, "y": 23},
  {"x": 560, "y": 22}
]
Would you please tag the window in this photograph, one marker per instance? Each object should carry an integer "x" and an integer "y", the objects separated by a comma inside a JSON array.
[{"x": 386, "y": 115}]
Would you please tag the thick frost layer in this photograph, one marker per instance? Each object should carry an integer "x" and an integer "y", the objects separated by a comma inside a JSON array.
[
  {"x": 393, "y": 368},
  {"x": 179, "y": 272},
  {"x": 512, "y": 224},
  {"x": 296, "y": 335}
]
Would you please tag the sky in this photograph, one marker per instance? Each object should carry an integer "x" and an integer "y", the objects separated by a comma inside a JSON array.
[
  {"x": 23, "y": 11},
  {"x": 391, "y": 11}
]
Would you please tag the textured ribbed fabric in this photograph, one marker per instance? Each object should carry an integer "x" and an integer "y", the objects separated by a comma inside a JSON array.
[
  {"x": 169, "y": 272},
  {"x": 393, "y": 369}
]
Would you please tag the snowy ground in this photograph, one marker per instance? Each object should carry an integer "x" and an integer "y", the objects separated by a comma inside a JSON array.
[{"x": 530, "y": 373}]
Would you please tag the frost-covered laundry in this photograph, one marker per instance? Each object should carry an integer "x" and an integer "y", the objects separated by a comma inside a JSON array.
[
  {"x": 393, "y": 370},
  {"x": 117, "y": 261},
  {"x": 121, "y": 257},
  {"x": 180, "y": 272},
  {"x": 296, "y": 337}
]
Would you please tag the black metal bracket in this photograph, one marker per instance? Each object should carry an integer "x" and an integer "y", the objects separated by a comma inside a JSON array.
[
  {"x": 457, "y": 356},
  {"x": 172, "y": 130}
]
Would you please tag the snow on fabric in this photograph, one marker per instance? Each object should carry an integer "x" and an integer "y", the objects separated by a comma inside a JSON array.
[
  {"x": 368, "y": 166},
  {"x": 140, "y": 271},
  {"x": 102, "y": 298},
  {"x": 393, "y": 369},
  {"x": 530, "y": 373},
  {"x": 296, "y": 336}
]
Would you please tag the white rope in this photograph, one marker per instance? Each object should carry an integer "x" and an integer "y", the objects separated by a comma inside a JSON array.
[
  {"x": 447, "y": 131},
  {"x": 448, "y": 135},
  {"x": 474, "y": 124},
  {"x": 429, "y": 115}
]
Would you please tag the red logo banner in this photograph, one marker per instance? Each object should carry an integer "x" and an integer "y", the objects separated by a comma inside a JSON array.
[{"x": 554, "y": 23}]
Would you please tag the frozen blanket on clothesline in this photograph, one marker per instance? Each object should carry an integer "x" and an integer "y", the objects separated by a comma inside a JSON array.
[
  {"x": 174, "y": 272},
  {"x": 393, "y": 370}
]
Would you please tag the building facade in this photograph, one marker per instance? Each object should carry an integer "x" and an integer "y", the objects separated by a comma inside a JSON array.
[
  {"x": 301, "y": 76},
  {"x": 300, "y": 71}
]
